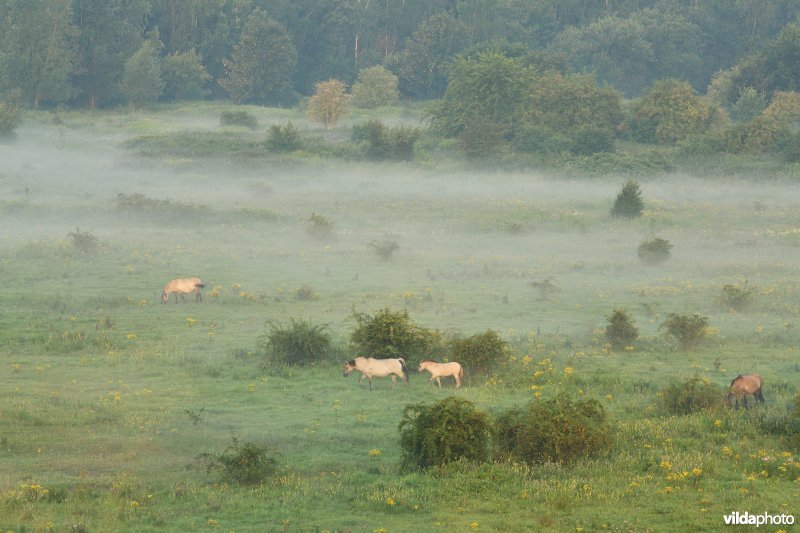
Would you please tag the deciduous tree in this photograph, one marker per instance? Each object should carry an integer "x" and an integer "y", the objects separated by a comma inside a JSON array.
[
  {"x": 329, "y": 102},
  {"x": 260, "y": 70}
]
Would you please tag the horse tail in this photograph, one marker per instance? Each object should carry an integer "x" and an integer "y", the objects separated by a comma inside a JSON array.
[
  {"x": 461, "y": 371},
  {"x": 404, "y": 368},
  {"x": 201, "y": 285}
]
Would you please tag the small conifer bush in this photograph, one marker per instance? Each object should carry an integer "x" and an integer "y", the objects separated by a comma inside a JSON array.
[{"x": 629, "y": 202}]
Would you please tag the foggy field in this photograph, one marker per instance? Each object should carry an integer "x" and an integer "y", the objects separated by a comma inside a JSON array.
[{"x": 107, "y": 397}]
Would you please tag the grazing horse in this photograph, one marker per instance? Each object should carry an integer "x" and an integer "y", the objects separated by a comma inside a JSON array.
[
  {"x": 741, "y": 386},
  {"x": 440, "y": 370},
  {"x": 369, "y": 367},
  {"x": 182, "y": 286}
]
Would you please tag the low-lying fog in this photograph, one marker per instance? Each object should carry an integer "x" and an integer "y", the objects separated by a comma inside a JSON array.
[{"x": 492, "y": 232}]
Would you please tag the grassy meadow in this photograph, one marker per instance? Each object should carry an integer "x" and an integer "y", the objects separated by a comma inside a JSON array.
[{"x": 108, "y": 399}]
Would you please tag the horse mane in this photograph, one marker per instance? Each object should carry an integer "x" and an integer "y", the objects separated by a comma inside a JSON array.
[
  {"x": 737, "y": 378},
  {"x": 352, "y": 362}
]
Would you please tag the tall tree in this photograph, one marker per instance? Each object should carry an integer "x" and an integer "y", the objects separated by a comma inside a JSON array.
[
  {"x": 420, "y": 66},
  {"x": 38, "y": 48},
  {"x": 632, "y": 52},
  {"x": 185, "y": 77},
  {"x": 260, "y": 70},
  {"x": 110, "y": 32},
  {"x": 141, "y": 81}
]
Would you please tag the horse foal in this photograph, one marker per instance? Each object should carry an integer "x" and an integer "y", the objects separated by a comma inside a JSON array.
[
  {"x": 379, "y": 368},
  {"x": 440, "y": 370},
  {"x": 182, "y": 286},
  {"x": 741, "y": 386}
]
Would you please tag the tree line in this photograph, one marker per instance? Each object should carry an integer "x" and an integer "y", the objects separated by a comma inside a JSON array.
[{"x": 95, "y": 53}]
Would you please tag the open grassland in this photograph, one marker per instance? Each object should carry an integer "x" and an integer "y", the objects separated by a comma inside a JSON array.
[{"x": 108, "y": 398}]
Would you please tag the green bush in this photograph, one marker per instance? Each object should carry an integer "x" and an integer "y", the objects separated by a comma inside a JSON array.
[
  {"x": 448, "y": 430},
  {"x": 392, "y": 334},
  {"x": 589, "y": 139},
  {"x": 559, "y": 430},
  {"x": 319, "y": 227},
  {"x": 479, "y": 353},
  {"x": 84, "y": 242},
  {"x": 654, "y": 251},
  {"x": 238, "y": 118},
  {"x": 301, "y": 343},
  {"x": 687, "y": 330},
  {"x": 10, "y": 118},
  {"x": 382, "y": 143},
  {"x": 621, "y": 331},
  {"x": 539, "y": 139},
  {"x": 736, "y": 297},
  {"x": 384, "y": 249},
  {"x": 694, "y": 394},
  {"x": 245, "y": 464},
  {"x": 284, "y": 138},
  {"x": 628, "y": 203}
]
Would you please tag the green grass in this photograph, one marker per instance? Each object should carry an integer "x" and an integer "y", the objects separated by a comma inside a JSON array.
[{"x": 108, "y": 398}]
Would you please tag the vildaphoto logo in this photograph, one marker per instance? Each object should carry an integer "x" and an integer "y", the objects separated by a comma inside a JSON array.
[{"x": 764, "y": 519}]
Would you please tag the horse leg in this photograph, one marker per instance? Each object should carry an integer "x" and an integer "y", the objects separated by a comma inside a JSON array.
[
  {"x": 439, "y": 381},
  {"x": 760, "y": 397},
  {"x": 458, "y": 381},
  {"x": 744, "y": 400},
  {"x": 394, "y": 381}
]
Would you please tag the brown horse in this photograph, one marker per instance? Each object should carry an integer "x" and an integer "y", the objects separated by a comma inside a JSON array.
[
  {"x": 369, "y": 367},
  {"x": 182, "y": 286},
  {"x": 440, "y": 370},
  {"x": 741, "y": 386}
]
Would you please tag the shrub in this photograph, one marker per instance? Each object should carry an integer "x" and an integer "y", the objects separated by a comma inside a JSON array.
[
  {"x": 442, "y": 432},
  {"x": 301, "y": 343},
  {"x": 382, "y": 143},
  {"x": 621, "y": 331},
  {"x": 736, "y": 297},
  {"x": 284, "y": 138},
  {"x": 654, "y": 251},
  {"x": 238, "y": 118},
  {"x": 559, "y": 430},
  {"x": 546, "y": 287},
  {"x": 628, "y": 203},
  {"x": 84, "y": 242},
  {"x": 694, "y": 394},
  {"x": 319, "y": 227},
  {"x": 245, "y": 464},
  {"x": 9, "y": 120},
  {"x": 392, "y": 334},
  {"x": 688, "y": 330},
  {"x": 384, "y": 249},
  {"x": 479, "y": 353},
  {"x": 306, "y": 293}
]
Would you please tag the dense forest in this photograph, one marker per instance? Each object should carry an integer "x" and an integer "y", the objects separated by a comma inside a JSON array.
[{"x": 531, "y": 76}]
